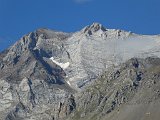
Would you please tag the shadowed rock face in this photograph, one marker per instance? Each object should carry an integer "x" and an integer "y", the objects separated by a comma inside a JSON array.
[{"x": 50, "y": 75}]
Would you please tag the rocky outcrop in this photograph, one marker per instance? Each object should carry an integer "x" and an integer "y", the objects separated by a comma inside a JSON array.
[
  {"x": 134, "y": 83},
  {"x": 36, "y": 100}
]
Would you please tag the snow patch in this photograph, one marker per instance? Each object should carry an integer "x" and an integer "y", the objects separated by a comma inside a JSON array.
[
  {"x": 69, "y": 83},
  {"x": 62, "y": 65}
]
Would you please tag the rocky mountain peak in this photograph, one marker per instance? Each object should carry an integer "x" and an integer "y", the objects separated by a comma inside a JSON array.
[
  {"x": 95, "y": 27},
  {"x": 98, "y": 30}
]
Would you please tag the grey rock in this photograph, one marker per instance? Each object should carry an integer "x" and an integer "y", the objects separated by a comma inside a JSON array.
[
  {"x": 51, "y": 75},
  {"x": 109, "y": 96}
]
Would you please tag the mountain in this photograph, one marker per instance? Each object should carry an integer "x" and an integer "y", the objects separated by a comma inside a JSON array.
[
  {"x": 95, "y": 73},
  {"x": 130, "y": 92}
]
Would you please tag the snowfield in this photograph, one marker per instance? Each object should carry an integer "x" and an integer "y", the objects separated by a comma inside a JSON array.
[{"x": 62, "y": 65}]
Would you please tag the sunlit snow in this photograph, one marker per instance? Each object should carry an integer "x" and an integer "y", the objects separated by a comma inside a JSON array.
[
  {"x": 69, "y": 83},
  {"x": 62, "y": 65}
]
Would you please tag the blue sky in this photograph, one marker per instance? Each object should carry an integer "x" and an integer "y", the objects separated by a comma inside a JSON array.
[{"x": 18, "y": 17}]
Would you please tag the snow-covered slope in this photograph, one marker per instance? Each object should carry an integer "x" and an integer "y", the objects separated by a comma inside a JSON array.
[{"x": 96, "y": 48}]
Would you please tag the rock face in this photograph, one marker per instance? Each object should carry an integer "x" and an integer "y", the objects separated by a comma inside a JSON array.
[
  {"x": 128, "y": 92},
  {"x": 32, "y": 86},
  {"x": 50, "y": 75}
]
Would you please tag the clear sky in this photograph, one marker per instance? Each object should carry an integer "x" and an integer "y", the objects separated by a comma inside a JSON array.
[{"x": 18, "y": 17}]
